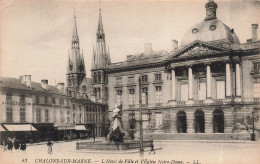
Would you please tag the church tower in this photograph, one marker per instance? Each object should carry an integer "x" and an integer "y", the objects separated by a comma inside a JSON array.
[
  {"x": 101, "y": 60},
  {"x": 76, "y": 67}
]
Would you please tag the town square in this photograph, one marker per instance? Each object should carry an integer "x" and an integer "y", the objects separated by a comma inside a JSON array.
[{"x": 165, "y": 82}]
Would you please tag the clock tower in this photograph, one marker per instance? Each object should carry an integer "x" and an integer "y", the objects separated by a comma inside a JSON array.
[
  {"x": 76, "y": 72},
  {"x": 211, "y": 8}
]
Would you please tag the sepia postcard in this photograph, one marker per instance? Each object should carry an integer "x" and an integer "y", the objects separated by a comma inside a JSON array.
[{"x": 129, "y": 82}]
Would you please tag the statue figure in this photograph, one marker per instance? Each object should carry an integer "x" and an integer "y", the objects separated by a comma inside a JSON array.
[{"x": 116, "y": 130}]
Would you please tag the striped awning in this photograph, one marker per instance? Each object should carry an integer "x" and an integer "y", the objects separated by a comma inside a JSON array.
[
  {"x": 19, "y": 127},
  {"x": 80, "y": 127},
  {"x": 2, "y": 129}
]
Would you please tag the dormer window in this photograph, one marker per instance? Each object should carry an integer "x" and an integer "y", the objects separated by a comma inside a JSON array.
[
  {"x": 195, "y": 30},
  {"x": 22, "y": 98},
  {"x": 8, "y": 96}
]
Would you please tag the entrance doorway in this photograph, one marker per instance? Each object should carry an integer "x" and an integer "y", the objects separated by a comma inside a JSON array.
[
  {"x": 218, "y": 121},
  {"x": 181, "y": 122},
  {"x": 199, "y": 123}
]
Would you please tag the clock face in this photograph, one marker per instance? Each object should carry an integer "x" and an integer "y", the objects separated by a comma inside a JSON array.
[{"x": 210, "y": 12}]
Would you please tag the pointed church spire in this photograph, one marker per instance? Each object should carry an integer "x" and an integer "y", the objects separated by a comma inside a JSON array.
[
  {"x": 75, "y": 37},
  {"x": 100, "y": 29}
]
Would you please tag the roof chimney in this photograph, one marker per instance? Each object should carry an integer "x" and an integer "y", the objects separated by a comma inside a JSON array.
[
  {"x": 60, "y": 86},
  {"x": 254, "y": 32},
  {"x": 26, "y": 80},
  {"x": 174, "y": 45},
  {"x": 148, "y": 48},
  {"x": 44, "y": 84}
]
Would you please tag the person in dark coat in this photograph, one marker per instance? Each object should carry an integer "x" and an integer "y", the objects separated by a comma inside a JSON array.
[
  {"x": 16, "y": 144},
  {"x": 9, "y": 145},
  {"x": 152, "y": 147},
  {"x": 23, "y": 146},
  {"x": 49, "y": 144}
]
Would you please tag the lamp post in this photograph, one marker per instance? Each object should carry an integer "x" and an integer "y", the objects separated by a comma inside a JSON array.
[
  {"x": 133, "y": 120},
  {"x": 253, "y": 119}
]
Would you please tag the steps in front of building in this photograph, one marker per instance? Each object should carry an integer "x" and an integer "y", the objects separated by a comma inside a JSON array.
[{"x": 188, "y": 136}]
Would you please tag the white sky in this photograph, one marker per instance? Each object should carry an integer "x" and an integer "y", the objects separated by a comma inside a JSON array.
[{"x": 35, "y": 35}]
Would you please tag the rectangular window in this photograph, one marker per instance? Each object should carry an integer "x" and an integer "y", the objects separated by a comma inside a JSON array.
[
  {"x": 145, "y": 120},
  {"x": 257, "y": 87},
  {"x": 54, "y": 116},
  {"x": 220, "y": 89},
  {"x": 46, "y": 115},
  {"x": 131, "y": 96},
  {"x": 202, "y": 91},
  {"x": 53, "y": 100},
  {"x": 22, "y": 115},
  {"x": 131, "y": 79},
  {"x": 68, "y": 116},
  {"x": 184, "y": 92},
  {"x": 61, "y": 101},
  {"x": 144, "y": 78},
  {"x": 257, "y": 66},
  {"x": 38, "y": 115},
  {"x": 158, "y": 119},
  {"x": 74, "y": 117},
  {"x": 46, "y": 100},
  {"x": 158, "y": 77},
  {"x": 119, "y": 97},
  {"x": 9, "y": 97},
  {"x": 119, "y": 81},
  {"x": 80, "y": 118},
  {"x": 22, "y": 98},
  {"x": 80, "y": 107},
  {"x": 73, "y": 107},
  {"x": 37, "y": 100},
  {"x": 9, "y": 114},
  {"x": 158, "y": 94},
  {"x": 144, "y": 96},
  {"x": 62, "y": 116}
]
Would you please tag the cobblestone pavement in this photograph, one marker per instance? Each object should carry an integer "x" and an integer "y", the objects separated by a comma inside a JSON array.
[{"x": 173, "y": 152}]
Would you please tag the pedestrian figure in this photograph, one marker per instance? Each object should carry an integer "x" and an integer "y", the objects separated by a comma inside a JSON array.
[
  {"x": 16, "y": 144},
  {"x": 49, "y": 144},
  {"x": 94, "y": 137},
  {"x": 5, "y": 144},
  {"x": 152, "y": 147},
  {"x": 9, "y": 145},
  {"x": 23, "y": 146}
]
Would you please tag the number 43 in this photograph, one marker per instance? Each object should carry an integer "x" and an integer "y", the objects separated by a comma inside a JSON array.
[{"x": 24, "y": 160}]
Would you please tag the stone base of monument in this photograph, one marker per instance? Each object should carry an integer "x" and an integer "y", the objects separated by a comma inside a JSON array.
[{"x": 104, "y": 145}]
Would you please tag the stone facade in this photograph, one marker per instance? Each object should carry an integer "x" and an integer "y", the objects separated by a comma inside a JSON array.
[{"x": 205, "y": 86}]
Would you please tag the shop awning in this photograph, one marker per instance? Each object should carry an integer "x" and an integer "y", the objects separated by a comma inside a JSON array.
[
  {"x": 2, "y": 129},
  {"x": 80, "y": 127},
  {"x": 65, "y": 127},
  {"x": 21, "y": 127}
]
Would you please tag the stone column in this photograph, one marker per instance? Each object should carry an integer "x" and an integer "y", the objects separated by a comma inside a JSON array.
[
  {"x": 173, "y": 121},
  {"x": 208, "y": 82},
  {"x": 238, "y": 85},
  {"x": 173, "y": 85},
  {"x": 190, "y": 83},
  {"x": 228, "y": 80},
  {"x": 190, "y": 120},
  {"x": 208, "y": 121}
]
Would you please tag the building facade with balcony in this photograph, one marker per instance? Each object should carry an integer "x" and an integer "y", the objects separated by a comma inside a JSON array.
[{"x": 206, "y": 85}]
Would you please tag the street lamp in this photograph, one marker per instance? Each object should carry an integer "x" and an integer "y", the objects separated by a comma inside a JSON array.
[
  {"x": 253, "y": 119},
  {"x": 140, "y": 121}
]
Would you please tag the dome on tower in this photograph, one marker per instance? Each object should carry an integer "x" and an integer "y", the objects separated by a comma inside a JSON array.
[{"x": 210, "y": 30}]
